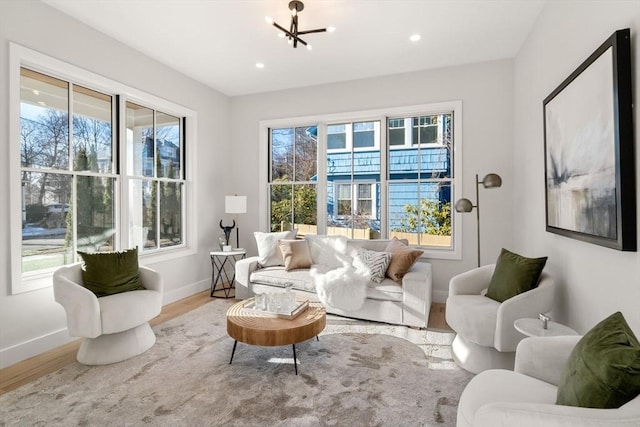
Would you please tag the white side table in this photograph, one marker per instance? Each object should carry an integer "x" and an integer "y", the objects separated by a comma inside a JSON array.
[
  {"x": 219, "y": 275},
  {"x": 533, "y": 328}
]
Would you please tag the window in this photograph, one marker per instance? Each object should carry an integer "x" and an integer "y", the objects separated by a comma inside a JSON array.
[
  {"x": 293, "y": 179},
  {"x": 425, "y": 130},
  {"x": 371, "y": 187},
  {"x": 350, "y": 211},
  {"x": 419, "y": 183},
  {"x": 67, "y": 171},
  {"x": 154, "y": 143},
  {"x": 336, "y": 137},
  {"x": 396, "y": 132},
  {"x": 85, "y": 177}
]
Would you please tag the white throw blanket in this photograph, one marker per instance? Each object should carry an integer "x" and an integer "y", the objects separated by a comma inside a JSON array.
[{"x": 342, "y": 288}]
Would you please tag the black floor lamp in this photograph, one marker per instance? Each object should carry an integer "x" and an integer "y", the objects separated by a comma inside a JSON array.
[{"x": 490, "y": 180}]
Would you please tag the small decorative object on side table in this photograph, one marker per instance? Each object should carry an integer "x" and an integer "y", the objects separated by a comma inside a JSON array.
[
  {"x": 542, "y": 327},
  {"x": 220, "y": 259}
]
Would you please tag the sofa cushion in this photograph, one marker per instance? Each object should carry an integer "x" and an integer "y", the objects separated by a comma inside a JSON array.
[
  {"x": 387, "y": 290},
  {"x": 402, "y": 259},
  {"x": 513, "y": 275},
  {"x": 372, "y": 264},
  {"x": 108, "y": 273},
  {"x": 278, "y": 276},
  {"x": 328, "y": 251},
  {"x": 295, "y": 254},
  {"x": 269, "y": 254},
  {"x": 603, "y": 370},
  {"x": 474, "y": 317}
]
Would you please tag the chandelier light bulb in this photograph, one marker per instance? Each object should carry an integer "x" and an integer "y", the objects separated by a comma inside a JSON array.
[
  {"x": 269, "y": 20},
  {"x": 415, "y": 37},
  {"x": 309, "y": 47},
  {"x": 331, "y": 29}
]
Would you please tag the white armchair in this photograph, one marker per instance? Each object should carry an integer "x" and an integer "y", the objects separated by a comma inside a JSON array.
[
  {"x": 526, "y": 397},
  {"x": 114, "y": 327},
  {"x": 485, "y": 336}
]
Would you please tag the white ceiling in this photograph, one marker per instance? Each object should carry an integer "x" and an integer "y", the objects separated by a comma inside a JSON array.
[{"x": 218, "y": 42}]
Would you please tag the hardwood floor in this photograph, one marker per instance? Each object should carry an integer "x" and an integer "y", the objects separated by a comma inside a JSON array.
[{"x": 35, "y": 367}]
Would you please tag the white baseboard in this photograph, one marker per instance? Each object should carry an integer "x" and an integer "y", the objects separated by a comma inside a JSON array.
[
  {"x": 33, "y": 347},
  {"x": 36, "y": 346}
]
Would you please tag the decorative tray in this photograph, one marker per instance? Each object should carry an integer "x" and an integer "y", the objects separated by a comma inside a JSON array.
[{"x": 300, "y": 307}]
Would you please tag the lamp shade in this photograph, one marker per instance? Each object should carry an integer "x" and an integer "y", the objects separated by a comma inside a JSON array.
[
  {"x": 235, "y": 204},
  {"x": 464, "y": 205},
  {"x": 492, "y": 180}
]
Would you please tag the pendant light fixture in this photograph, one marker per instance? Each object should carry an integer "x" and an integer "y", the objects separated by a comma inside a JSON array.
[{"x": 293, "y": 34}]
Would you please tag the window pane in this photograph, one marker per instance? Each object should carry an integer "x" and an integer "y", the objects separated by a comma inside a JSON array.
[
  {"x": 92, "y": 130},
  {"x": 46, "y": 237},
  {"x": 363, "y": 135},
  {"x": 281, "y": 207},
  {"x": 44, "y": 121},
  {"x": 396, "y": 136},
  {"x": 306, "y": 154},
  {"x": 282, "y": 154},
  {"x": 336, "y": 137},
  {"x": 305, "y": 209},
  {"x": 420, "y": 213},
  {"x": 95, "y": 214},
  {"x": 168, "y": 145},
  {"x": 142, "y": 214},
  {"x": 140, "y": 144},
  {"x": 170, "y": 214}
]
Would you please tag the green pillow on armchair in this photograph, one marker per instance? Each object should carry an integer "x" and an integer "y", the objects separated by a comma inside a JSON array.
[{"x": 513, "y": 275}]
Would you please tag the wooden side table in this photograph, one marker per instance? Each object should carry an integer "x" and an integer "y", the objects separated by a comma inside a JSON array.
[
  {"x": 219, "y": 259},
  {"x": 533, "y": 328}
]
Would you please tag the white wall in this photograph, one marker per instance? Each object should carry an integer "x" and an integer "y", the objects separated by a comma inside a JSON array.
[
  {"x": 32, "y": 322},
  {"x": 486, "y": 93},
  {"x": 593, "y": 281}
]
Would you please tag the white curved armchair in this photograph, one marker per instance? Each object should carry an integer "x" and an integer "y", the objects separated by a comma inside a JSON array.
[
  {"x": 114, "y": 327},
  {"x": 485, "y": 336},
  {"x": 526, "y": 397}
]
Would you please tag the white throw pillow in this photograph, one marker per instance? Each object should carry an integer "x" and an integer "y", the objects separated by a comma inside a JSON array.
[
  {"x": 269, "y": 254},
  {"x": 329, "y": 251},
  {"x": 372, "y": 264}
]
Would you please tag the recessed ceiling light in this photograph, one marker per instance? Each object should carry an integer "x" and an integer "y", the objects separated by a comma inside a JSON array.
[
  {"x": 259, "y": 65},
  {"x": 415, "y": 37}
]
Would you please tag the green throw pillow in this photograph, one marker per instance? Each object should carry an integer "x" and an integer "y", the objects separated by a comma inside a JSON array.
[
  {"x": 108, "y": 273},
  {"x": 513, "y": 275},
  {"x": 603, "y": 370}
]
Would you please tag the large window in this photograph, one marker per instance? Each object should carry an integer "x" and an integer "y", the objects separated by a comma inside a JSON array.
[
  {"x": 379, "y": 178},
  {"x": 93, "y": 169},
  {"x": 293, "y": 179},
  {"x": 67, "y": 171},
  {"x": 156, "y": 185}
]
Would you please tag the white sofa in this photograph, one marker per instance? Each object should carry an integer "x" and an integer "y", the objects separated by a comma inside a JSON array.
[
  {"x": 526, "y": 396},
  {"x": 389, "y": 302}
]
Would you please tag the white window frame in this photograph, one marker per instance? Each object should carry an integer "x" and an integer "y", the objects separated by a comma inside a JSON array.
[
  {"x": 20, "y": 56},
  {"x": 453, "y": 253}
]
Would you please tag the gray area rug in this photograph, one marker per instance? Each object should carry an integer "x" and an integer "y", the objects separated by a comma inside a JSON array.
[{"x": 357, "y": 374}]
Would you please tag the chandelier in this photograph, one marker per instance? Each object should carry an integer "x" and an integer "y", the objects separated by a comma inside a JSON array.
[{"x": 293, "y": 34}]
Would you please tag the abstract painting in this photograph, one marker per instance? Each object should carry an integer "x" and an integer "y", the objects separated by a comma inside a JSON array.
[{"x": 589, "y": 160}]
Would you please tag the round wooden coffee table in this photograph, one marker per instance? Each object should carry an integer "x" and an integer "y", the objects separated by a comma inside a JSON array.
[{"x": 253, "y": 328}]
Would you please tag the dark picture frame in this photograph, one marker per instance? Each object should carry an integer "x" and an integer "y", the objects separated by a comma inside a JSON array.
[{"x": 589, "y": 153}]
